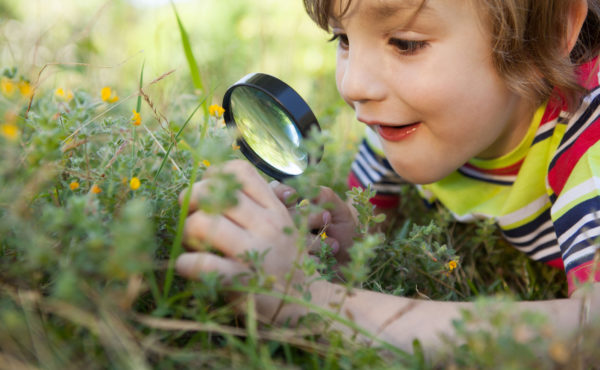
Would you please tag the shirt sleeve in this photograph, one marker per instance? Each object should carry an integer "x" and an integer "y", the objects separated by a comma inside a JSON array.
[
  {"x": 574, "y": 180},
  {"x": 370, "y": 167}
]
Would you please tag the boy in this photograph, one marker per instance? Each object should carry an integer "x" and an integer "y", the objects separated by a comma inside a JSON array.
[{"x": 460, "y": 95}]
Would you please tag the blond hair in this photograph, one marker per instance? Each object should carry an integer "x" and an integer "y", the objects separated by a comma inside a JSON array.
[{"x": 527, "y": 43}]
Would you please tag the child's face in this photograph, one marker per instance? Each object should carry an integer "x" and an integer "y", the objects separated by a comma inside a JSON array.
[{"x": 428, "y": 86}]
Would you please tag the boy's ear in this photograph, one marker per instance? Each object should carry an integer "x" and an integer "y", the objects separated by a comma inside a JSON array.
[{"x": 577, "y": 15}]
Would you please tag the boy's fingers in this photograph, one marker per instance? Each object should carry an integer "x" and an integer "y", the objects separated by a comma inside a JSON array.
[
  {"x": 252, "y": 183},
  {"x": 283, "y": 192},
  {"x": 190, "y": 265},
  {"x": 217, "y": 231},
  {"x": 314, "y": 244}
]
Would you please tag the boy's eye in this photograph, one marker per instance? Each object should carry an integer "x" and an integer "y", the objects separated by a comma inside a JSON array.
[
  {"x": 408, "y": 47},
  {"x": 342, "y": 39}
]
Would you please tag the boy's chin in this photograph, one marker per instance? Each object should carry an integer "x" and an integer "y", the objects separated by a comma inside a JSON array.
[{"x": 422, "y": 176}]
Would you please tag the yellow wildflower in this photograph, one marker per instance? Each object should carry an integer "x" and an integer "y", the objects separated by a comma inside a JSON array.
[
  {"x": 234, "y": 146},
  {"x": 10, "y": 131},
  {"x": 303, "y": 203},
  {"x": 134, "y": 184},
  {"x": 136, "y": 120},
  {"x": 96, "y": 189},
  {"x": 25, "y": 89},
  {"x": 7, "y": 86},
  {"x": 64, "y": 95},
  {"x": 74, "y": 185},
  {"x": 206, "y": 163},
  {"x": 216, "y": 110},
  {"x": 108, "y": 95},
  {"x": 324, "y": 235},
  {"x": 452, "y": 265}
]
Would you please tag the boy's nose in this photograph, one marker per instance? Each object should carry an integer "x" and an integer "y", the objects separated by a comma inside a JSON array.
[{"x": 361, "y": 78}]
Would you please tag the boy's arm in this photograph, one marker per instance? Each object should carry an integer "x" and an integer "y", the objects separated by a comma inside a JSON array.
[{"x": 399, "y": 320}]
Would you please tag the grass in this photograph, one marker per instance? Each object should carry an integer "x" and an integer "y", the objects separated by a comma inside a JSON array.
[{"x": 86, "y": 260}]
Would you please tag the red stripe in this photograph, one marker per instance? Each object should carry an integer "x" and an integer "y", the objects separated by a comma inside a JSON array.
[
  {"x": 558, "y": 175},
  {"x": 379, "y": 200},
  {"x": 513, "y": 169},
  {"x": 557, "y": 263},
  {"x": 582, "y": 274},
  {"x": 587, "y": 74}
]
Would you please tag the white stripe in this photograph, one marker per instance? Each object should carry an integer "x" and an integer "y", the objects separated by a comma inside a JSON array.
[
  {"x": 373, "y": 175},
  {"x": 577, "y": 255},
  {"x": 373, "y": 163},
  {"x": 548, "y": 126},
  {"x": 540, "y": 241},
  {"x": 362, "y": 177},
  {"x": 575, "y": 228},
  {"x": 470, "y": 217},
  {"x": 486, "y": 176},
  {"x": 588, "y": 234},
  {"x": 524, "y": 212},
  {"x": 388, "y": 188},
  {"x": 545, "y": 252},
  {"x": 583, "y": 107},
  {"x": 530, "y": 235},
  {"x": 576, "y": 193}
]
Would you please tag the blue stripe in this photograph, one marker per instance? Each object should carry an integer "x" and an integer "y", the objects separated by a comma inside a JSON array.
[
  {"x": 544, "y": 232},
  {"x": 581, "y": 121},
  {"x": 484, "y": 179},
  {"x": 578, "y": 262},
  {"x": 575, "y": 214},
  {"x": 543, "y": 136},
  {"x": 529, "y": 227},
  {"x": 382, "y": 160},
  {"x": 541, "y": 247},
  {"x": 550, "y": 257}
]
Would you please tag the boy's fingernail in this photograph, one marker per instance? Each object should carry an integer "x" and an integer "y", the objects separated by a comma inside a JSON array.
[
  {"x": 335, "y": 246},
  {"x": 326, "y": 217},
  {"x": 185, "y": 263},
  {"x": 286, "y": 194}
]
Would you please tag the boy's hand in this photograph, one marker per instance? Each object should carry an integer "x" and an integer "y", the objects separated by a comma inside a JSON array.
[
  {"x": 259, "y": 222},
  {"x": 338, "y": 220}
]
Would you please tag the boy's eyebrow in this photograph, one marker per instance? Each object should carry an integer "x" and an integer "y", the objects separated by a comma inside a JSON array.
[{"x": 385, "y": 9}]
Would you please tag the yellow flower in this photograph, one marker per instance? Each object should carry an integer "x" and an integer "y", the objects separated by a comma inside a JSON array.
[
  {"x": 136, "y": 120},
  {"x": 9, "y": 131},
  {"x": 234, "y": 146},
  {"x": 324, "y": 235},
  {"x": 452, "y": 265},
  {"x": 74, "y": 185},
  {"x": 108, "y": 95},
  {"x": 303, "y": 203},
  {"x": 64, "y": 95},
  {"x": 134, "y": 184},
  {"x": 206, "y": 163},
  {"x": 7, "y": 86},
  {"x": 216, "y": 110},
  {"x": 96, "y": 189},
  {"x": 25, "y": 89}
]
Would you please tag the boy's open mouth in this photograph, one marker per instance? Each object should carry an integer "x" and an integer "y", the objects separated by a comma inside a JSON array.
[{"x": 397, "y": 133}]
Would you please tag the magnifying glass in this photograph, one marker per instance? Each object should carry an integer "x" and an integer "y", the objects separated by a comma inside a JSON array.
[{"x": 273, "y": 122}]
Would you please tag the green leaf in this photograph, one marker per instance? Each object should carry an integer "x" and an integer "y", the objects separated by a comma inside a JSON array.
[{"x": 189, "y": 55}]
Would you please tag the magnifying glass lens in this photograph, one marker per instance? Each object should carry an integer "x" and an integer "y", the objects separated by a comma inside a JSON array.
[{"x": 268, "y": 130}]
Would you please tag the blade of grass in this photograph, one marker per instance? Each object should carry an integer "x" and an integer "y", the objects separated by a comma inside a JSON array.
[
  {"x": 189, "y": 55},
  {"x": 175, "y": 141},
  {"x": 138, "y": 109},
  {"x": 177, "y": 246}
]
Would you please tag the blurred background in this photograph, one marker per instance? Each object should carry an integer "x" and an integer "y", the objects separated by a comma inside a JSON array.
[{"x": 95, "y": 43}]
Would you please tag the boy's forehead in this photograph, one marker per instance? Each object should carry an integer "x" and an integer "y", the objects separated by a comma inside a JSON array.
[{"x": 376, "y": 9}]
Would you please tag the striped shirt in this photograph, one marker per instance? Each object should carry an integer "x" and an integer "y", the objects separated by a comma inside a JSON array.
[{"x": 544, "y": 195}]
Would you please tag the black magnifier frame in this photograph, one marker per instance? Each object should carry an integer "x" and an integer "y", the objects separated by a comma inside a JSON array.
[{"x": 289, "y": 101}]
